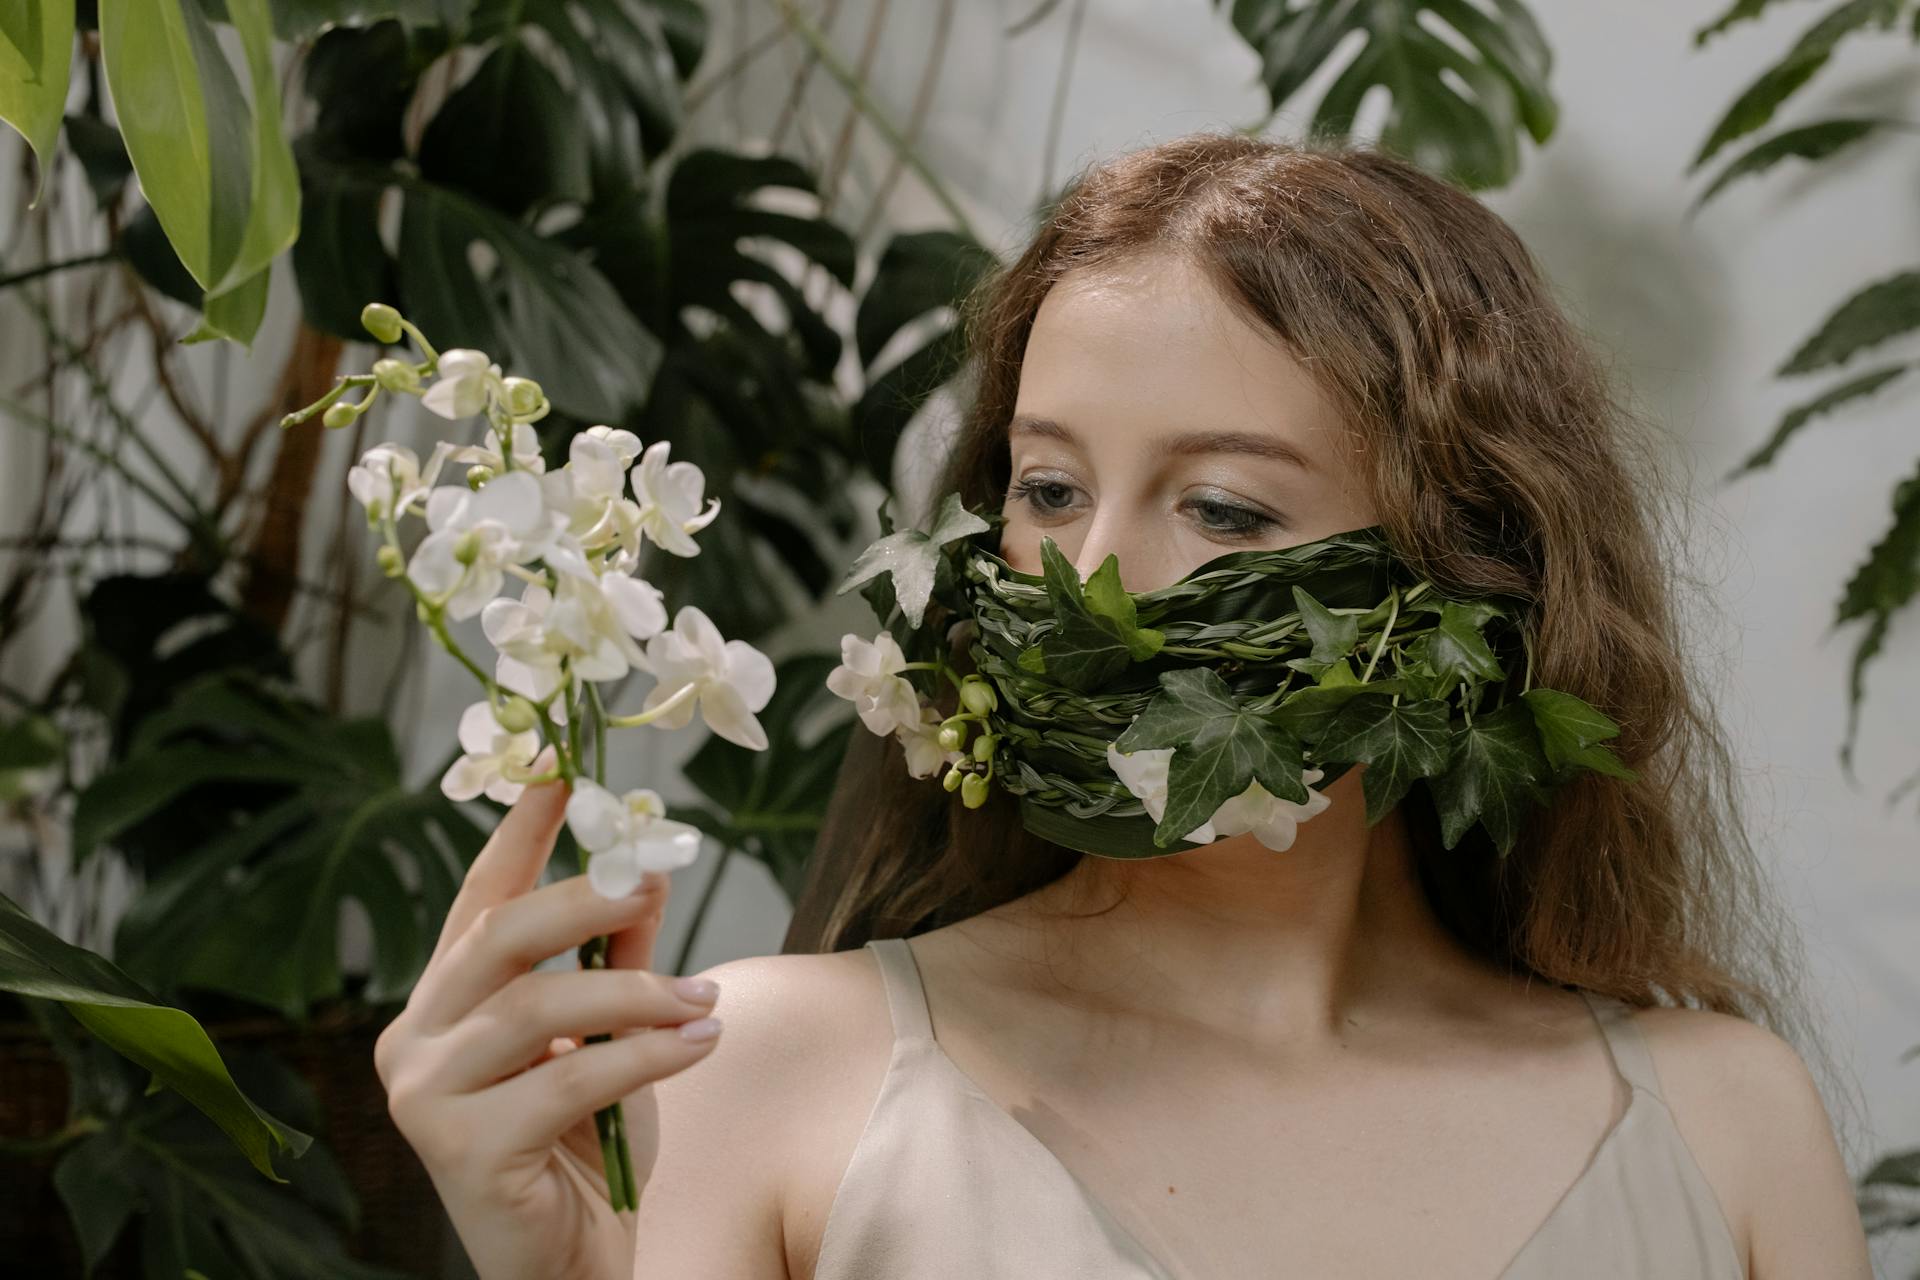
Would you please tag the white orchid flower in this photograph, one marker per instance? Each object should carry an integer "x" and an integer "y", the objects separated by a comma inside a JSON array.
[
  {"x": 1144, "y": 773},
  {"x": 627, "y": 836},
  {"x": 490, "y": 753},
  {"x": 475, "y": 535},
  {"x": 590, "y": 624},
  {"x": 921, "y": 739},
  {"x": 388, "y": 478},
  {"x": 669, "y": 498},
  {"x": 1274, "y": 822},
  {"x": 526, "y": 451},
  {"x": 730, "y": 679},
  {"x": 591, "y": 489},
  {"x": 869, "y": 677},
  {"x": 466, "y": 383}
]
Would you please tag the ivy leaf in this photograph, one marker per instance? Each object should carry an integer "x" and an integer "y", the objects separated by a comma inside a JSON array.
[
  {"x": 1219, "y": 748},
  {"x": 1570, "y": 731},
  {"x": 1398, "y": 742},
  {"x": 1306, "y": 713},
  {"x": 1097, "y": 631},
  {"x": 1456, "y": 648},
  {"x": 913, "y": 557},
  {"x": 1333, "y": 635},
  {"x": 1495, "y": 776}
]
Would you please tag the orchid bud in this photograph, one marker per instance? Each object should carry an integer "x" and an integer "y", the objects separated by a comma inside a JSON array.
[
  {"x": 516, "y": 715},
  {"x": 340, "y": 414},
  {"x": 983, "y": 746},
  {"x": 977, "y": 696},
  {"x": 389, "y": 560},
  {"x": 478, "y": 474},
  {"x": 423, "y": 611},
  {"x": 381, "y": 320},
  {"x": 953, "y": 778},
  {"x": 973, "y": 790},
  {"x": 953, "y": 734},
  {"x": 524, "y": 397},
  {"x": 396, "y": 376},
  {"x": 467, "y": 548}
]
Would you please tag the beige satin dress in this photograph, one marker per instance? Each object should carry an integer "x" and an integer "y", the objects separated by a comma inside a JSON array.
[{"x": 945, "y": 1184}]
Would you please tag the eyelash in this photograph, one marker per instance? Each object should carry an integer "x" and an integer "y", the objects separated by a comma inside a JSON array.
[{"x": 1256, "y": 526}]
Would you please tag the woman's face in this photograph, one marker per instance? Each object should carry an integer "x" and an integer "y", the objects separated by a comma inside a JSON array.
[{"x": 1155, "y": 423}]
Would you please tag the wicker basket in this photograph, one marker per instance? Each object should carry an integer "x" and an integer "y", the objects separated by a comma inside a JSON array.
[{"x": 402, "y": 1224}]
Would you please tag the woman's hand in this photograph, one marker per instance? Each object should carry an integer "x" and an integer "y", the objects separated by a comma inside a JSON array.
[{"x": 485, "y": 1072}]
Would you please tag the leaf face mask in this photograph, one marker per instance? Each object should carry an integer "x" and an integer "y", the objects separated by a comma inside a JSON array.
[{"x": 1139, "y": 724}]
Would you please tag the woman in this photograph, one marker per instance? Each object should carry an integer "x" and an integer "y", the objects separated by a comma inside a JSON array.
[{"x": 1363, "y": 1056}]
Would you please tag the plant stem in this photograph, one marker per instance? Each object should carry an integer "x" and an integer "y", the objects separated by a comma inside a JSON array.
[{"x": 50, "y": 268}]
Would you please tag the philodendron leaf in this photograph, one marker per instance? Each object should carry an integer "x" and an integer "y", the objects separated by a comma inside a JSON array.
[
  {"x": 1096, "y": 632},
  {"x": 36, "y": 962},
  {"x": 1495, "y": 776},
  {"x": 1570, "y": 733},
  {"x": 1219, "y": 749},
  {"x": 212, "y": 158},
  {"x": 1397, "y": 742},
  {"x": 36, "y": 54},
  {"x": 912, "y": 557}
]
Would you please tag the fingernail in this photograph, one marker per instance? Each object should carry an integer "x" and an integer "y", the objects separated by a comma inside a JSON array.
[
  {"x": 700, "y": 1029},
  {"x": 700, "y": 990}
]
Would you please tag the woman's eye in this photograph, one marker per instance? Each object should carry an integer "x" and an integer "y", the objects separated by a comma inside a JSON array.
[
  {"x": 1232, "y": 521},
  {"x": 1045, "y": 496}
]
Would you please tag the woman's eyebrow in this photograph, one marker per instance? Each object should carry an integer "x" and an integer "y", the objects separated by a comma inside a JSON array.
[{"x": 1183, "y": 445}]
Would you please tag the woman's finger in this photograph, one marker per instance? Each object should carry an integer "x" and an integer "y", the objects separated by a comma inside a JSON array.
[{"x": 513, "y": 857}]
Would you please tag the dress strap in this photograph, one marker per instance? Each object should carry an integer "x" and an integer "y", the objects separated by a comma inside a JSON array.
[
  {"x": 906, "y": 994},
  {"x": 1625, "y": 1041}
]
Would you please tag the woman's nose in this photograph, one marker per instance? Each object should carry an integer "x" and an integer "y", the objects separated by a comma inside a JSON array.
[{"x": 1140, "y": 567}]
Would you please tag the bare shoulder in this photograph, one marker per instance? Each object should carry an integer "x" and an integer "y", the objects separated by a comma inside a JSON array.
[
  {"x": 749, "y": 1133},
  {"x": 1752, "y": 1114}
]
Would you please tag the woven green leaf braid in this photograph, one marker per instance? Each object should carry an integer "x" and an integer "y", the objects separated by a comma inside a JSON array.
[{"x": 1253, "y": 667}]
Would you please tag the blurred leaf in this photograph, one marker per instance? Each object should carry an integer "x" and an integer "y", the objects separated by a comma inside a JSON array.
[
  {"x": 1811, "y": 142},
  {"x": 1741, "y": 11},
  {"x": 360, "y": 82},
  {"x": 340, "y": 260},
  {"x": 1883, "y": 310},
  {"x": 1756, "y": 105},
  {"x": 1852, "y": 389},
  {"x": 1464, "y": 128},
  {"x": 771, "y": 803},
  {"x": 36, "y": 963},
  {"x": 297, "y": 20},
  {"x": 36, "y": 57},
  {"x": 920, "y": 276},
  {"x": 509, "y": 136},
  {"x": 542, "y": 311},
  {"x": 101, "y": 153},
  {"x": 1880, "y": 587}
]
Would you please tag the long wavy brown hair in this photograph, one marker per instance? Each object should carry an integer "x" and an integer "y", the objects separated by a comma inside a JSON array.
[{"x": 1500, "y": 460}]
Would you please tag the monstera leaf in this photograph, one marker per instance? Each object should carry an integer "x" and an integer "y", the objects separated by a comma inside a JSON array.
[
  {"x": 313, "y": 813},
  {"x": 1458, "y": 102}
]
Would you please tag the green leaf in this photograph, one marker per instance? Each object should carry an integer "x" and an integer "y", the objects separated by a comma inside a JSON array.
[
  {"x": 1495, "y": 776},
  {"x": 98, "y": 147},
  {"x": 36, "y": 963},
  {"x": 1741, "y": 11},
  {"x": 1096, "y": 634},
  {"x": 1457, "y": 102},
  {"x": 36, "y": 57},
  {"x": 1333, "y": 634},
  {"x": 1398, "y": 743},
  {"x": 1220, "y": 749},
  {"x": 1885, "y": 583},
  {"x": 911, "y": 557},
  {"x": 1757, "y": 103},
  {"x": 509, "y": 136},
  {"x": 235, "y": 314},
  {"x": 340, "y": 259},
  {"x": 99, "y": 1200},
  {"x": 211, "y": 158},
  {"x": 1307, "y": 712},
  {"x": 1810, "y": 142},
  {"x": 1570, "y": 731},
  {"x": 556, "y": 316},
  {"x": 1855, "y": 388},
  {"x": 1883, "y": 310},
  {"x": 909, "y": 305},
  {"x": 1455, "y": 647},
  {"x": 298, "y": 20}
]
